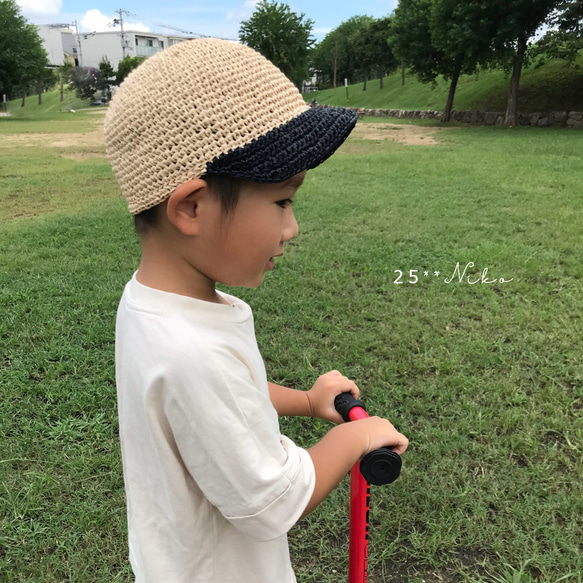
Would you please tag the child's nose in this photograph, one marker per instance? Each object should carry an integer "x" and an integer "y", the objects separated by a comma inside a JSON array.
[{"x": 290, "y": 229}]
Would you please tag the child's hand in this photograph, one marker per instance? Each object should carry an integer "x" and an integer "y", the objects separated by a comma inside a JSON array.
[
  {"x": 321, "y": 396},
  {"x": 378, "y": 432}
]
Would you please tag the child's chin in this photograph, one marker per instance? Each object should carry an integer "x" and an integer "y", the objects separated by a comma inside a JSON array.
[{"x": 247, "y": 282}]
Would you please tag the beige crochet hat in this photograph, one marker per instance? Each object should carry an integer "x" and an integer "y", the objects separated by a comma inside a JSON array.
[{"x": 208, "y": 106}]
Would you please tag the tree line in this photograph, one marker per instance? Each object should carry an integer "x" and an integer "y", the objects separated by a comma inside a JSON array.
[
  {"x": 428, "y": 38},
  {"x": 23, "y": 60},
  {"x": 24, "y": 64}
]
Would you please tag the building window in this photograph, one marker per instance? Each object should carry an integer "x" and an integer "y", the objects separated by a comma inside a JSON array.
[{"x": 146, "y": 47}]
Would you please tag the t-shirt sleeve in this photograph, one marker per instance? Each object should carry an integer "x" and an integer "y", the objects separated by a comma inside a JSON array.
[{"x": 227, "y": 433}]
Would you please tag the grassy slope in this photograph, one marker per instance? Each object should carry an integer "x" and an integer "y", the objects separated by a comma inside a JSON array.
[
  {"x": 550, "y": 87},
  {"x": 51, "y": 107}
]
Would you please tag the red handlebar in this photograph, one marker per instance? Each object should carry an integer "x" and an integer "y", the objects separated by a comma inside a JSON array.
[{"x": 381, "y": 466}]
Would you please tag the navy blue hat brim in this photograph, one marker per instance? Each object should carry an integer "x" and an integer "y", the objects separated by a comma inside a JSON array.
[{"x": 300, "y": 144}]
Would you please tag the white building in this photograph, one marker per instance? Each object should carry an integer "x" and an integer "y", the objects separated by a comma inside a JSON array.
[
  {"x": 88, "y": 49},
  {"x": 59, "y": 42}
]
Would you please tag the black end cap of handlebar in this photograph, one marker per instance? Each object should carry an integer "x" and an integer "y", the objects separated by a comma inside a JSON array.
[
  {"x": 344, "y": 402},
  {"x": 381, "y": 466}
]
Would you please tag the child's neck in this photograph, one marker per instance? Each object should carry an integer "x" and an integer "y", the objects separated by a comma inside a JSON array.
[{"x": 172, "y": 273}]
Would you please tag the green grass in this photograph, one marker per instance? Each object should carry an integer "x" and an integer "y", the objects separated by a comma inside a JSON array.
[
  {"x": 51, "y": 107},
  {"x": 50, "y": 182},
  {"x": 553, "y": 86},
  {"x": 49, "y": 116},
  {"x": 485, "y": 380}
]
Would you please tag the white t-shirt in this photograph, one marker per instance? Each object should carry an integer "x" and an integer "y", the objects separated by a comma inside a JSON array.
[{"x": 212, "y": 486}]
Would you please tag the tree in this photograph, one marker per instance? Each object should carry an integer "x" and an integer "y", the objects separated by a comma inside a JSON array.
[
  {"x": 444, "y": 37},
  {"x": 85, "y": 81},
  {"x": 384, "y": 61},
  {"x": 334, "y": 57},
  {"x": 462, "y": 30},
  {"x": 22, "y": 57},
  {"x": 106, "y": 77},
  {"x": 370, "y": 48},
  {"x": 126, "y": 65},
  {"x": 361, "y": 51},
  {"x": 570, "y": 15},
  {"x": 281, "y": 36},
  {"x": 518, "y": 21},
  {"x": 326, "y": 57},
  {"x": 45, "y": 80},
  {"x": 565, "y": 40},
  {"x": 66, "y": 71},
  {"x": 411, "y": 39}
]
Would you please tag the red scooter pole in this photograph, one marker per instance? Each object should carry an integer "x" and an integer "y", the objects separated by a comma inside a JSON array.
[{"x": 381, "y": 466}]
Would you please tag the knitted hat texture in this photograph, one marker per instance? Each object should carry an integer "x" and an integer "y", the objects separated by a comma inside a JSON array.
[{"x": 208, "y": 106}]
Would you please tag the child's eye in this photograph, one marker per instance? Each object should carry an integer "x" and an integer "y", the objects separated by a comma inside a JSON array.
[{"x": 284, "y": 203}]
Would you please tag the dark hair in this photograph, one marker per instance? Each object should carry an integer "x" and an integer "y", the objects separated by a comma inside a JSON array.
[{"x": 225, "y": 188}]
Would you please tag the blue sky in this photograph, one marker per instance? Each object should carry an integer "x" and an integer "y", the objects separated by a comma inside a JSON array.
[{"x": 219, "y": 18}]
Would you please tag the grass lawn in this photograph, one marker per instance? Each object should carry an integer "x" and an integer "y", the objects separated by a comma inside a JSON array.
[
  {"x": 486, "y": 379},
  {"x": 51, "y": 107}
]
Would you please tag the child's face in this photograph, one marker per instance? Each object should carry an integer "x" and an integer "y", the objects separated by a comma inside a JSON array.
[{"x": 242, "y": 245}]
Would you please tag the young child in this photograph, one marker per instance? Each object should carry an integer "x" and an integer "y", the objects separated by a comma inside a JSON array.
[{"x": 209, "y": 142}]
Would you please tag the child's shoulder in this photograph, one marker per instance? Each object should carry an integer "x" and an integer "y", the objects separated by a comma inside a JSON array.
[
  {"x": 140, "y": 297},
  {"x": 171, "y": 327}
]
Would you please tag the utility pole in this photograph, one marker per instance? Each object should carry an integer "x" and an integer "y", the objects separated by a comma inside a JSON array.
[{"x": 119, "y": 21}]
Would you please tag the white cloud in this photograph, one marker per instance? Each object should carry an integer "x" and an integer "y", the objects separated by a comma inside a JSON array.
[
  {"x": 136, "y": 26},
  {"x": 322, "y": 30},
  {"x": 244, "y": 12},
  {"x": 94, "y": 20},
  {"x": 35, "y": 8}
]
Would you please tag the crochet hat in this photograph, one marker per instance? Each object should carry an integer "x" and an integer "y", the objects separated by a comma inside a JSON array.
[{"x": 208, "y": 106}]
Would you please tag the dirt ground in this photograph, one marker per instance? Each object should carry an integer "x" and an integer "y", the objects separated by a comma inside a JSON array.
[
  {"x": 92, "y": 138},
  {"x": 93, "y": 141},
  {"x": 409, "y": 135}
]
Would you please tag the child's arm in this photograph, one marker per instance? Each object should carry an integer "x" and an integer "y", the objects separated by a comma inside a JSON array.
[
  {"x": 317, "y": 402},
  {"x": 343, "y": 446},
  {"x": 289, "y": 401}
]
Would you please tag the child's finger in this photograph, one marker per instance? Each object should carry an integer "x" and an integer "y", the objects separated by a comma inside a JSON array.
[
  {"x": 354, "y": 390},
  {"x": 349, "y": 386},
  {"x": 401, "y": 446}
]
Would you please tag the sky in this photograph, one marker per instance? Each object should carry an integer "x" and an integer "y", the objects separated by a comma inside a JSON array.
[{"x": 219, "y": 18}]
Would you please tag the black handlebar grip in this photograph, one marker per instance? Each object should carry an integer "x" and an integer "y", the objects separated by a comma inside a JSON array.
[
  {"x": 344, "y": 402},
  {"x": 379, "y": 467}
]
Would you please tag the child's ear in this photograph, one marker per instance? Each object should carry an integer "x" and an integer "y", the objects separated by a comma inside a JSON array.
[{"x": 183, "y": 206}]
